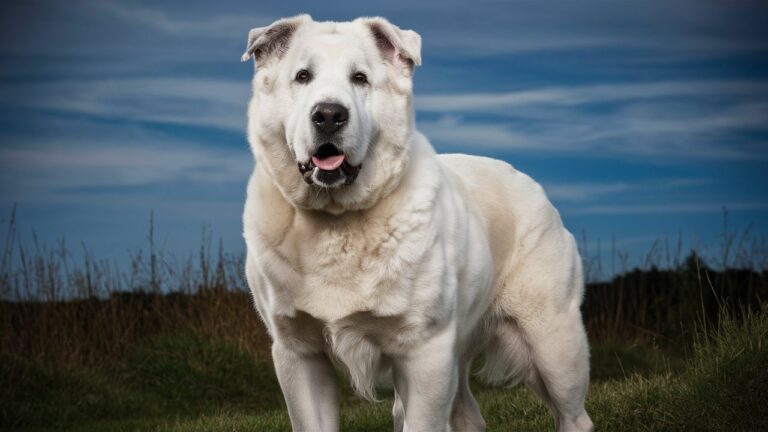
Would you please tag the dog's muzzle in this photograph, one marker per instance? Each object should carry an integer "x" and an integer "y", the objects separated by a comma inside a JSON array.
[{"x": 329, "y": 166}]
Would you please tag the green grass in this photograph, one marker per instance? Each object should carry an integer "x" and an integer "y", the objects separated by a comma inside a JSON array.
[{"x": 184, "y": 381}]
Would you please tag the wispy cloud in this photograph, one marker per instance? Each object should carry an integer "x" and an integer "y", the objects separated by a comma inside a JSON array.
[
  {"x": 643, "y": 48},
  {"x": 183, "y": 101},
  {"x": 45, "y": 171},
  {"x": 481, "y": 45},
  {"x": 215, "y": 26},
  {"x": 587, "y": 94},
  {"x": 583, "y": 191},
  {"x": 662, "y": 208},
  {"x": 691, "y": 119},
  {"x": 659, "y": 142},
  {"x": 592, "y": 191}
]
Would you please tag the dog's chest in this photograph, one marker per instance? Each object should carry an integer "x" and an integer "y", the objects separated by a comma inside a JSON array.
[{"x": 349, "y": 265}]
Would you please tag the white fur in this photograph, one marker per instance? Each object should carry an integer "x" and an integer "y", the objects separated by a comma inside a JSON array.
[{"x": 420, "y": 265}]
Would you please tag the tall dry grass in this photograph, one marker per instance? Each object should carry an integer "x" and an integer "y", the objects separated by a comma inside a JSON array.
[
  {"x": 87, "y": 313},
  {"x": 670, "y": 291}
]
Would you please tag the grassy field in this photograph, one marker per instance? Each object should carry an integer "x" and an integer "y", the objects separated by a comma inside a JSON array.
[
  {"x": 177, "y": 346},
  {"x": 187, "y": 380}
]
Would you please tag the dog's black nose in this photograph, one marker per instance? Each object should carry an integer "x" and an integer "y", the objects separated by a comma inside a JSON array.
[{"x": 329, "y": 117}]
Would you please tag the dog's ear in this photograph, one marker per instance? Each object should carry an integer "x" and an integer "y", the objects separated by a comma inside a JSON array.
[
  {"x": 401, "y": 48},
  {"x": 272, "y": 40}
]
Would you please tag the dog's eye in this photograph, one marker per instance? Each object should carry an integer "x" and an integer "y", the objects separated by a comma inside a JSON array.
[
  {"x": 360, "y": 78},
  {"x": 303, "y": 76}
]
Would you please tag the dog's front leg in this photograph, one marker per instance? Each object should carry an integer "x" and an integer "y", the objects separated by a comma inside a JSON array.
[
  {"x": 426, "y": 380},
  {"x": 309, "y": 387}
]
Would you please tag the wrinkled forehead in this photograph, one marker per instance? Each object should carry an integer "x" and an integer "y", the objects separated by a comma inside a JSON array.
[{"x": 335, "y": 43}]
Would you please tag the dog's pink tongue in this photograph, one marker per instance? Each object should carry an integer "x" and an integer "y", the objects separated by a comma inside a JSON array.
[{"x": 329, "y": 163}]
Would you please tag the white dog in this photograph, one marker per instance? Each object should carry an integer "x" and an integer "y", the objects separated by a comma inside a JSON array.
[{"x": 368, "y": 250}]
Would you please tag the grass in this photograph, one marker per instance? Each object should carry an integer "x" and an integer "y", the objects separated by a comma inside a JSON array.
[{"x": 186, "y": 381}]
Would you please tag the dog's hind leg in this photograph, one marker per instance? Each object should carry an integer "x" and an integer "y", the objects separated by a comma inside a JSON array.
[
  {"x": 559, "y": 369},
  {"x": 552, "y": 359}
]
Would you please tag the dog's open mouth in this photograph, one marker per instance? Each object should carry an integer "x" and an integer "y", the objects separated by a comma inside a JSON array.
[
  {"x": 328, "y": 157},
  {"x": 328, "y": 167}
]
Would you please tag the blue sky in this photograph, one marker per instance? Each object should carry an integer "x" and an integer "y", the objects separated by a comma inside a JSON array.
[{"x": 641, "y": 119}]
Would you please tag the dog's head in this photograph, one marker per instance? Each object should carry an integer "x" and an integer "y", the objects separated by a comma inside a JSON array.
[{"x": 331, "y": 115}]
